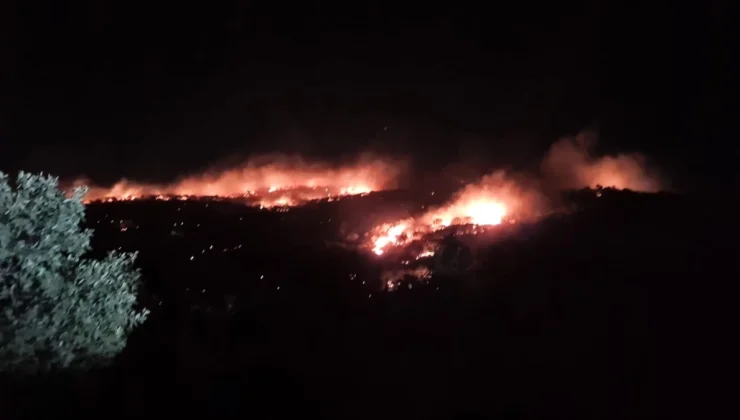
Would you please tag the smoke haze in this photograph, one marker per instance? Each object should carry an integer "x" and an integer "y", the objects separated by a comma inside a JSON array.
[{"x": 570, "y": 164}]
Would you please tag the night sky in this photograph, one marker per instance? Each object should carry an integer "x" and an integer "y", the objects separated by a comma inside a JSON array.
[{"x": 113, "y": 89}]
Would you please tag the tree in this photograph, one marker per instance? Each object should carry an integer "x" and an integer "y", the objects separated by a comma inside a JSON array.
[{"x": 58, "y": 310}]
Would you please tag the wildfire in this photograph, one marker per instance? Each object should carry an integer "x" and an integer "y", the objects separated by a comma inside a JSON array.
[
  {"x": 482, "y": 211},
  {"x": 266, "y": 183},
  {"x": 495, "y": 199},
  {"x": 392, "y": 234}
]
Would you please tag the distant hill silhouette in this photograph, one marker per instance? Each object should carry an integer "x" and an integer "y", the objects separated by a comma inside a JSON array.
[{"x": 598, "y": 312}]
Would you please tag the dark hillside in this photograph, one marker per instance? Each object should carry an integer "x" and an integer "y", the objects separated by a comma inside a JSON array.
[{"x": 595, "y": 313}]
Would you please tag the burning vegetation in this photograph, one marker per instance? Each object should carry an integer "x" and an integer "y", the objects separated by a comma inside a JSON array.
[
  {"x": 502, "y": 197},
  {"x": 407, "y": 244},
  {"x": 495, "y": 199},
  {"x": 266, "y": 182}
]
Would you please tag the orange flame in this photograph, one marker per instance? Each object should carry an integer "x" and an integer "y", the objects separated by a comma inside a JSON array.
[
  {"x": 498, "y": 197},
  {"x": 277, "y": 182},
  {"x": 490, "y": 202}
]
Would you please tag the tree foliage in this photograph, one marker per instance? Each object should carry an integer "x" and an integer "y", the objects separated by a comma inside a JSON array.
[{"x": 58, "y": 310}]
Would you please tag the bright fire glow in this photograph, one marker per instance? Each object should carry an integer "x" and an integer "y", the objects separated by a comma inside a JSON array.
[
  {"x": 266, "y": 183},
  {"x": 480, "y": 212},
  {"x": 489, "y": 202},
  {"x": 391, "y": 234}
]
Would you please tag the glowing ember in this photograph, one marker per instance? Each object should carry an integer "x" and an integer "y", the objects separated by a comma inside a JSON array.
[
  {"x": 392, "y": 235},
  {"x": 390, "y": 279},
  {"x": 480, "y": 212},
  {"x": 425, "y": 254},
  {"x": 266, "y": 183},
  {"x": 490, "y": 202}
]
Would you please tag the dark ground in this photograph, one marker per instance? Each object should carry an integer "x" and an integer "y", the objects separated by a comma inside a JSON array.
[{"x": 615, "y": 311}]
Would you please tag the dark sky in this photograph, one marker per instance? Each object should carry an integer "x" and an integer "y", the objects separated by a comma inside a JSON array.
[{"x": 116, "y": 89}]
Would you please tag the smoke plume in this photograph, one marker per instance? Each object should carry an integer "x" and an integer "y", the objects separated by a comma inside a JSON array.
[{"x": 570, "y": 164}]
